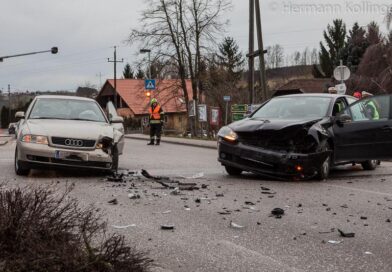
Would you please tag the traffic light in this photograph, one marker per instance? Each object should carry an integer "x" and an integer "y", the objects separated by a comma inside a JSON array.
[{"x": 148, "y": 93}]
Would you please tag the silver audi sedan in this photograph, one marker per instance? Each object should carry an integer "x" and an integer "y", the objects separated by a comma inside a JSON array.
[{"x": 67, "y": 131}]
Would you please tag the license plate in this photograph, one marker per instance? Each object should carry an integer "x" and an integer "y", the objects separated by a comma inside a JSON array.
[{"x": 70, "y": 156}]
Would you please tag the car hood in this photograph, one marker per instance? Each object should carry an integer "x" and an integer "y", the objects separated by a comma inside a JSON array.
[
  {"x": 69, "y": 129},
  {"x": 259, "y": 125}
]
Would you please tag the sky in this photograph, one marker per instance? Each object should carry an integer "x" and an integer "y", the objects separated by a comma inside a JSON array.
[{"x": 85, "y": 32}]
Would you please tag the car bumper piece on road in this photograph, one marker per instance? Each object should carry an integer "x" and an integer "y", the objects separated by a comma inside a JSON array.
[
  {"x": 41, "y": 156},
  {"x": 268, "y": 162}
]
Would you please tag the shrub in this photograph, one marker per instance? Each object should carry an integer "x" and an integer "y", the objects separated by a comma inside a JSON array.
[{"x": 41, "y": 230}]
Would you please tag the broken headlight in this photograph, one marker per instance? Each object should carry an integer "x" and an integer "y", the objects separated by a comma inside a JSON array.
[
  {"x": 228, "y": 134},
  {"x": 105, "y": 144}
]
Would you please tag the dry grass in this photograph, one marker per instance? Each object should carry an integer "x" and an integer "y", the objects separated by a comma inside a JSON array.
[{"x": 43, "y": 231}]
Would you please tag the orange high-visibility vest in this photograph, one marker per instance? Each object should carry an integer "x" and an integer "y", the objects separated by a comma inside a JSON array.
[{"x": 155, "y": 115}]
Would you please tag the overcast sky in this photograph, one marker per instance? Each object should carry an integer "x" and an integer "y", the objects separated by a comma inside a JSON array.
[{"x": 86, "y": 31}]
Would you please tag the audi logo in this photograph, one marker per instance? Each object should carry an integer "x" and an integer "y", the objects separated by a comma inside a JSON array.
[{"x": 72, "y": 142}]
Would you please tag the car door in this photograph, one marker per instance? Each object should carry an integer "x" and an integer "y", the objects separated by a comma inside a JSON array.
[
  {"x": 363, "y": 131},
  {"x": 118, "y": 127}
]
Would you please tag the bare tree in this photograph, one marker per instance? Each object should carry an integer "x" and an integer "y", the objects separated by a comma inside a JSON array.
[
  {"x": 182, "y": 30},
  {"x": 275, "y": 56}
]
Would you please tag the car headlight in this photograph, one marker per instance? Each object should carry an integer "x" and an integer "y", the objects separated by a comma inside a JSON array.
[
  {"x": 228, "y": 134},
  {"x": 35, "y": 139},
  {"x": 99, "y": 146}
]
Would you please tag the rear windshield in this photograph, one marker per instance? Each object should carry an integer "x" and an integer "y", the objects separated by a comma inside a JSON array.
[
  {"x": 67, "y": 109},
  {"x": 297, "y": 107}
]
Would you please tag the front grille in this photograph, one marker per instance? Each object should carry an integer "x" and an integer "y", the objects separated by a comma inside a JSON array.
[
  {"x": 73, "y": 143},
  {"x": 264, "y": 140}
]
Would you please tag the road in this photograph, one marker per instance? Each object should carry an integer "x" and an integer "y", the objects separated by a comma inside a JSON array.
[{"x": 204, "y": 240}]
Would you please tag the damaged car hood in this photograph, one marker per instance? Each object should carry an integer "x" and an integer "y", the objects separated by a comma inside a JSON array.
[
  {"x": 259, "y": 125},
  {"x": 69, "y": 129}
]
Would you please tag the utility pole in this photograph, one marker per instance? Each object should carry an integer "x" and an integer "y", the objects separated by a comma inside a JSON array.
[
  {"x": 115, "y": 74},
  {"x": 9, "y": 103},
  {"x": 255, "y": 4},
  {"x": 251, "y": 62}
]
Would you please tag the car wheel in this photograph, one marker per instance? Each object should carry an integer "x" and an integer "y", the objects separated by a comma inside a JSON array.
[
  {"x": 232, "y": 171},
  {"x": 19, "y": 170},
  {"x": 115, "y": 159},
  {"x": 325, "y": 168},
  {"x": 369, "y": 165}
]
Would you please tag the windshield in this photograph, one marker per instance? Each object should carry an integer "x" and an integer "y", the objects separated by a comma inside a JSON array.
[
  {"x": 297, "y": 107},
  {"x": 67, "y": 109}
]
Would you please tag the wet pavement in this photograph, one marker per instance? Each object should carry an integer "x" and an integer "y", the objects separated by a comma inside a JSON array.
[{"x": 246, "y": 223}]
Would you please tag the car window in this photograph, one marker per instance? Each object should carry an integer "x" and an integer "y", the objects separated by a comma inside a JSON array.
[
  {"x": 296, "y": 107},
  {"x": 338, "y": 107},
  {"x": 371, "y": 108},
  {"x": 351, "y": 100},
  {"x": 67, "y": 109}
]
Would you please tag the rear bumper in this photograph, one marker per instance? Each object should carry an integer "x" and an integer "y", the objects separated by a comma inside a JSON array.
[
  {"x": 43, "y": 156},
  {"x": 268, "y": 162}
]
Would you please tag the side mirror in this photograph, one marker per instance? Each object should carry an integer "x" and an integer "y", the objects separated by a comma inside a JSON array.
[
  {"x": 20, "y": 115},
  {"x": 117, "y": 120},
  {"x": 343, "y": 119}
]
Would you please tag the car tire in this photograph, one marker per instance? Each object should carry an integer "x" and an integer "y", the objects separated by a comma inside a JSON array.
[
  {"x": 19, "y": 170},
  {"x": 325, "y": 168},
  {"x": 233, "y": 171},
  {"x": 115, "y": 159},
  {"x": 369, "y": 165}
]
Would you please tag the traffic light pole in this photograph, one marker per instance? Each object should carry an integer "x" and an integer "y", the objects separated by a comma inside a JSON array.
[{"x": 53, "y": 50}]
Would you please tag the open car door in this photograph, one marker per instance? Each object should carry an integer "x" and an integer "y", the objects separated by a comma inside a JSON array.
[
  {"x": 118, "y": 126},
  {"x": 363, "y": 131}
]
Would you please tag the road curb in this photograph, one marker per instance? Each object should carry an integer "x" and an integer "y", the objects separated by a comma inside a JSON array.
[{"x": 186, "y": 142}]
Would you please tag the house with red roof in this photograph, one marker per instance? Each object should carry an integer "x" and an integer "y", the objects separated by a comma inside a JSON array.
[{"x": 133, "y": 102}]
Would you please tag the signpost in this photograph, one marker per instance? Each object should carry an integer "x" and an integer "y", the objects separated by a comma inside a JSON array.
[
  {"x": 214, "y": 120},
  {"x": 227, "y": 99},
  {"x": 341, "y": 73},
  {"x": 192, "y": 108},
  {"x": 202, "y": 112},
  {"x": 150, "y": 84}
]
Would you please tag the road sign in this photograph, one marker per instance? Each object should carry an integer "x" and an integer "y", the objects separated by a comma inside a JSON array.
[
  {"x": 341, "y": 88},
  {"x": 239, "y": 108},
  {"x": 341, "y": 73},
  {"x": 227, "y": 98},
  {"x": 149, "y": 84},
  {"x": 237, "y": 116}
]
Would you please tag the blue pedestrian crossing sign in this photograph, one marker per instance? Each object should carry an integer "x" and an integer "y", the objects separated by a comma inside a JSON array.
[{"x": 150, "y": 84}]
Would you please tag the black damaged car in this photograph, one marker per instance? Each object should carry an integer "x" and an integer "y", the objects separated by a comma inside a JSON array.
[{"x": 304, "y": 135}]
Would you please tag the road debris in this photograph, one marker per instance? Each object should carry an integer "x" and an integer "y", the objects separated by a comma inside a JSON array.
[
  {"x": 250, "y": 203},
  {"x": 363, "y": 218},
  {"x": 225, "y": 212},
  {"x": 335, "y": 242},
  {"x": 235, "y": 226},
  {"x": 167, "y": 227},
  {"x": 113, "y": 201},
  {"x": 388, "y": 221},
  {"x": 167, "y": 212},
  {"x": 219, "y": 195},
  {"x": 169, "y": 183},
  {"x": 277, "y": 213},
  {"x": 195, "y": 176},
  {"x": 124, "y": 227},
  {"x": 134, "y": 196},
  {"x": 198, "y": 200},
  {"x": 368, "y": 253},
  {"x": 346, "y": 234}
]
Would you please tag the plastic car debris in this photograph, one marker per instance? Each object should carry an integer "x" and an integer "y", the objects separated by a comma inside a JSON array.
[
  {"x": 124, "y": 227},
  {"x": 277, "y": 212},
  {"x": 335, "y": 242},
  {"x": 346, "y": 234},
  {"x": 235, "y": 226},
  {"x": 113, "y": 201},
  {"x": 167, "y": 227}
]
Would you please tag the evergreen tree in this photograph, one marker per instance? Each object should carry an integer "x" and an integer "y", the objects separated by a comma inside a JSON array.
[
  {"x": 355, "y": 47},
  {"x": 140, "y": 73},
  {"x": 373, "y": 35},
  {"x": 330, "y": 55},
  {"x": 128, "y": 72},
  {"x": 230, "y": 57}
]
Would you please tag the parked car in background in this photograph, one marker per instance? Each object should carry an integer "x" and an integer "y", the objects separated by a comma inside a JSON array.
[
  {"x": 66, "y": 131},
  {"x": 304, "y": 135},
  {"x": 11, "y": 128}
]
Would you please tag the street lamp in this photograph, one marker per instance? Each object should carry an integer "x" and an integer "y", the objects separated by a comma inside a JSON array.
[
  {"x": 53, "y": 50},
  {"x": 143, "y": 51}
]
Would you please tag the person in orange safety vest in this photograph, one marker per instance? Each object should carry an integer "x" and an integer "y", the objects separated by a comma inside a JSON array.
[{"x": 156, "y": 122}]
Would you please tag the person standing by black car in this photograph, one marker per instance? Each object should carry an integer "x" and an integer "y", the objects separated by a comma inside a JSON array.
[{"x": 156, "y": 122}]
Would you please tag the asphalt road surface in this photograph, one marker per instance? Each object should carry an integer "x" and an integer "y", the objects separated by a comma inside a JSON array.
[{"x": 205, "y": 240}]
